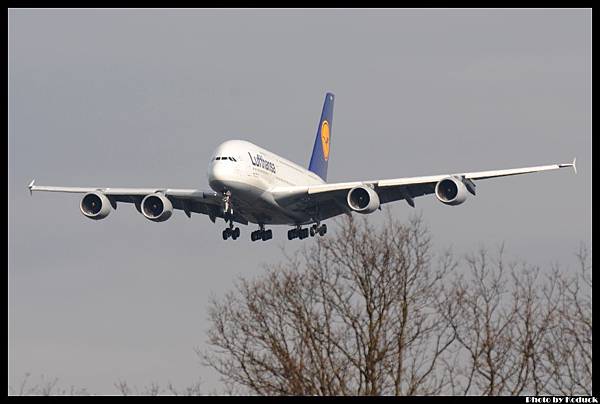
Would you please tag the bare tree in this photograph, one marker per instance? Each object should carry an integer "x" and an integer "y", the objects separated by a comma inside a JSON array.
[
  {"x": 371, "y": 311},
  {"x": 355, "y": 313},
  {"x": 46, "y": 387},
  {"x": 566, "y": 349},
  {"x": 496, "y": 323},
  {"x": 519, "y": 332},
  {"x": 154, "y": 389},
  {"x": 50, "y": 387}
]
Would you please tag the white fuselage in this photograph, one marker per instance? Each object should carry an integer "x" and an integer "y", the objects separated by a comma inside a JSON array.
[{"x": 250, "y": 172}]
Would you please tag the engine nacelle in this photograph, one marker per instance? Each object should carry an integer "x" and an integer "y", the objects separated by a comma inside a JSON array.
[
  {"x": 451, "y": 191},
  {"x": 95, "y": 205},
  {"x": 363, "y": 199},
  {"x": 156, "y": 207}
]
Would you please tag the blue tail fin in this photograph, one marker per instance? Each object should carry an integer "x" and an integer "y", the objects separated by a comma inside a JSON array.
[{"x": 322, "y": 147}]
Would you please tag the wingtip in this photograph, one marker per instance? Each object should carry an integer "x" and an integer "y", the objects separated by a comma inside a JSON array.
[
  {"x": 30, "y": 186},
  {"x": 573, "y": 164}
]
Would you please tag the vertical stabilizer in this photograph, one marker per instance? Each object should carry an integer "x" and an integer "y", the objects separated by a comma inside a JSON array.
[{"x": 322, "y": 146}]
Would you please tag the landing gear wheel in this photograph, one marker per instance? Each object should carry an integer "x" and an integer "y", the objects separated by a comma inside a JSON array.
[
  {"x": 294, "y": 233},
  {"x": 313, "y": 230},
  {"x": 231, "y": 232},
  {"x": 303, "y": 233},
  {"x": 261, "y": 234},
  {"x": 322, "y": 230},
  {"x": 226, "y": 234}
]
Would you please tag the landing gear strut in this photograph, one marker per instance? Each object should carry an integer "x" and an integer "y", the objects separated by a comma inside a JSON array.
[
  {"x": 231, "y": 231},
  {"x": 261, "y": 234},
  {"x": 227, "y": 208}
]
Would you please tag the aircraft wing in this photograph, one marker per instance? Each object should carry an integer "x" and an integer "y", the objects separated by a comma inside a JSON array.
[
  {"x": 330, "y": 199},
  {"x": 188, "y": 200}
]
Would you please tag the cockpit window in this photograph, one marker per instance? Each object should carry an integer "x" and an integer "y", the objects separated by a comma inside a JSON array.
[{"x": 232, "y": 159}]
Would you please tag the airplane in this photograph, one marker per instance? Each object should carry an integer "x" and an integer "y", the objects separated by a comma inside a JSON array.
[{"x": 253, "y": 185}]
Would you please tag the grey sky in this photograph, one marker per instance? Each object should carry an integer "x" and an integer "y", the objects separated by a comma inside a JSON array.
[{"x": 142, "y": 97}]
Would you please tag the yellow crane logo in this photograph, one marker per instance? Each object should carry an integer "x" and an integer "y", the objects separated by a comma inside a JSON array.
[{"x": 325, "y": 139}]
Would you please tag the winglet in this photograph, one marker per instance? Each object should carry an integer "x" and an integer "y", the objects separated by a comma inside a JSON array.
[
  {"x": 570, "y": 165},
  {"x": 30, "y": 186}
]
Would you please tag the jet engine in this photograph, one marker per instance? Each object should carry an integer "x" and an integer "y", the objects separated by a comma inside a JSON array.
[
  {"x": 157, "y": 207},
  {"x": 451, "y": 191},
  {"x": 363, "y": 199},
  {"x": 95, "y": 205}
]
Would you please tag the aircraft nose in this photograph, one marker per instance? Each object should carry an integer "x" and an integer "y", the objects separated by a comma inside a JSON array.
[{"x": 218, "y": 174}]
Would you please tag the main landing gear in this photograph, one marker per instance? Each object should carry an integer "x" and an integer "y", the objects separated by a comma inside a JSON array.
[
  {"x": 232, "y": 232},
  {"x": 261, "y": 234},
  {"x": 301, "y": 233}
]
